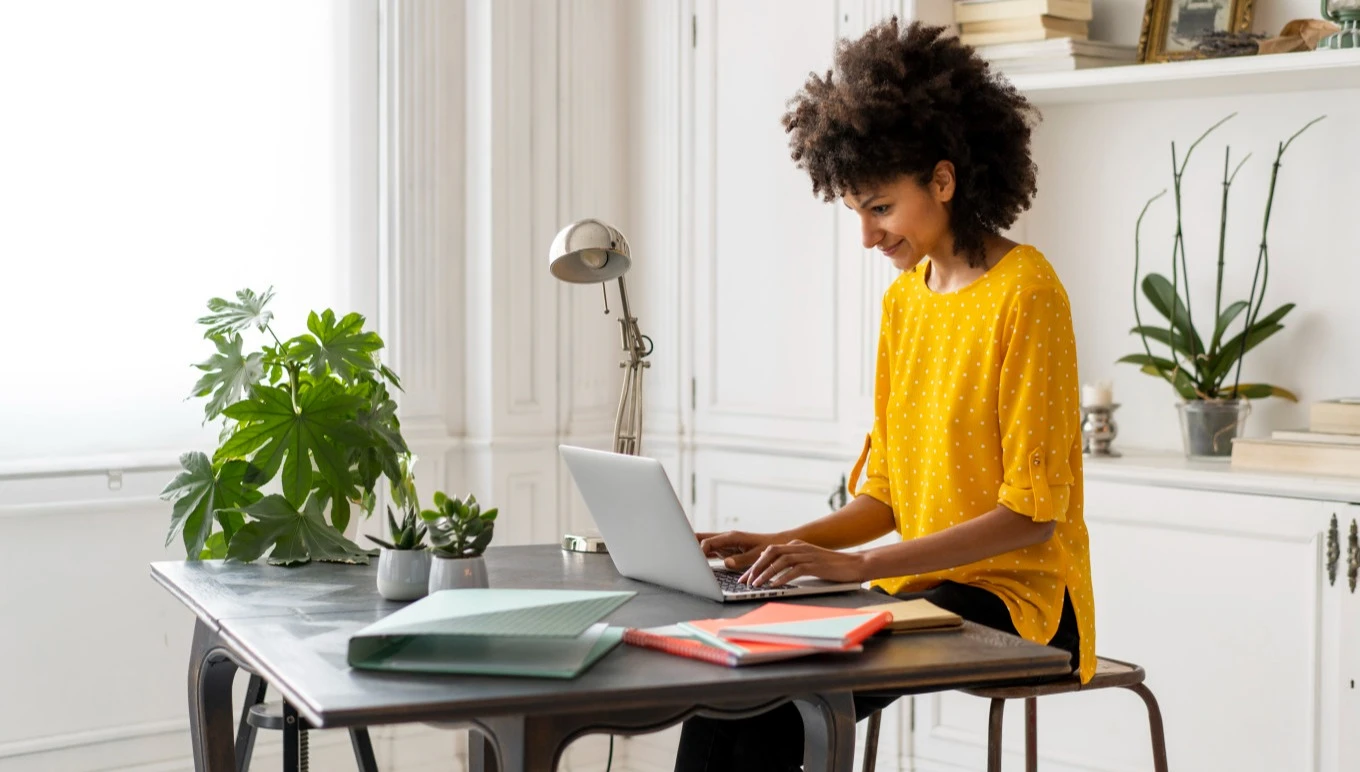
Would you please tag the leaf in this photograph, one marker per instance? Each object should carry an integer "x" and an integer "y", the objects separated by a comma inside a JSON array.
[
  {"x": 278, "y": 435},
  {"x": 1263, "y": 390},
  {"x": 1224, "y": 319},
  {"x": 1178, "y": 380},
  {"x": 198, "y": 492},
  {"x": 1162, "y": 335},
  {"x": 215, "y": 548},
  {"x": 248, "y": 311},
  {"x": 1159, "y": 292},
  {"x": 295, "y": 537},
  {"x": 343, "y": 348},
  {"x": 1143, "y": 359},
  {"x": 229, "y": 375},
  {"x": 1232, "y": 350},
  {"x": 480, "y": 544}
]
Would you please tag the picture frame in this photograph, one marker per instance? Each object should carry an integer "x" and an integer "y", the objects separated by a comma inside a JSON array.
[{"x": 1171, "y": 28}]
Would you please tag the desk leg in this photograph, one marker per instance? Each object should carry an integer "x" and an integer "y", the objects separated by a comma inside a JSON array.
[
  {"x": 481, "y": 752},
  {"x": 522, "y": 743},
  {"x": 211, "y": 674},
  {"x": 828, "y": 731}
]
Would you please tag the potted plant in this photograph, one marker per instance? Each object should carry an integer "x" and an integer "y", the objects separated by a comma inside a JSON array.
[
  {"x": 403, "y": 562},
  {"x": 1205, "y": 369},
  {"x": 313, "y": 412},
  {"x": 459, "y": 532}
]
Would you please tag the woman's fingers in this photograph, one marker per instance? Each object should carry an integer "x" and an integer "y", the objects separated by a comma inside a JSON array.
[
  {"x": 774, "y": 559},
  {"x": 780, "y": 566},
  {"x": 743, "y": 560}
]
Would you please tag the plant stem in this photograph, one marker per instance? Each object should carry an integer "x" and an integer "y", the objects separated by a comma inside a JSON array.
[
  {"x": 1137, "y": 257},
  {"x": 1222, "y": 237},
  {"x": 270, "y": 330},
  {"x": 1263, "y": 255},
  {"x": 1178, "y": 249}
]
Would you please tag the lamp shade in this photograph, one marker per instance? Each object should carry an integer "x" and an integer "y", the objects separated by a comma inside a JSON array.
[{"x": 588, "y": 252}]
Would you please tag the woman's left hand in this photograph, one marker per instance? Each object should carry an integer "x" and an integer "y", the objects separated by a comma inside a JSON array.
[{"x": 779, "y": 564}]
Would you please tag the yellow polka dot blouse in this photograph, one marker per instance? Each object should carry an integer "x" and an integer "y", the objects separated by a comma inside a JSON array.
[{"x": 976, "y": 404}]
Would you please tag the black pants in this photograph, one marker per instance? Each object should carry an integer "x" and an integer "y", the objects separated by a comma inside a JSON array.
[{"x": 773, "y": 741}]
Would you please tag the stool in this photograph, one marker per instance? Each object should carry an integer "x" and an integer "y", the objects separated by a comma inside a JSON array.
[
  {"x": 259, "y": 714},
  {"x": 1110, "y": 673}
]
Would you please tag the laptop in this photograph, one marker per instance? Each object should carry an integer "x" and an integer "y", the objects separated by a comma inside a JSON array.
[{"x": 648, "y": 536}]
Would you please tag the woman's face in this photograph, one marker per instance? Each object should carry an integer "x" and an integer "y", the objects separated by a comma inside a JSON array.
[{"x": 906, "y": 220}]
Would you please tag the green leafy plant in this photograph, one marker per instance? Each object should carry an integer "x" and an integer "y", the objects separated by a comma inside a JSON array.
[
  {"x": 410, "y": 535},
  {"x": 459, "y": 528},
  {"x": 313, "y": 412},
  {"x": 1195, "y": 370}
]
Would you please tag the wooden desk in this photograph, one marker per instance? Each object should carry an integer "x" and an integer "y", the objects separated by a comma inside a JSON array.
[{"x": 291, "y": 626}]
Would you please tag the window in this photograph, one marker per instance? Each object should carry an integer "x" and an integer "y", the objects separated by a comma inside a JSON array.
[{"x": 154, "y": 154}]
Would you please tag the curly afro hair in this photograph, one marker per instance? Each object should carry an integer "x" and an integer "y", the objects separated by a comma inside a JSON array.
[{"x": 900, "y": 101}]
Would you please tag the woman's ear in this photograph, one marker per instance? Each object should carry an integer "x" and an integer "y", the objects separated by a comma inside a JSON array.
[{"x": 942, "y": 181}]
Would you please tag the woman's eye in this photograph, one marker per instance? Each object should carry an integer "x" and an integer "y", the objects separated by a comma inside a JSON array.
[{"x": 880, "y": 209}]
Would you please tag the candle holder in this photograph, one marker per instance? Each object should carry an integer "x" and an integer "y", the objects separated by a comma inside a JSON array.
[{"x": 1098, "y": 430}]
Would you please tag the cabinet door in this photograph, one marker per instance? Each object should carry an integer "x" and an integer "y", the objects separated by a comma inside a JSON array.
[
  {"x": 762, "y": 492},
  {"x": 766, "y": 269},
  {"x": 1219, "y": 597},
  {"x": 1340, "y": 700}
]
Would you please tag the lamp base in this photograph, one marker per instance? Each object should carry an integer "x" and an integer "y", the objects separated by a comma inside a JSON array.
[{"x": 586, "y": 541}]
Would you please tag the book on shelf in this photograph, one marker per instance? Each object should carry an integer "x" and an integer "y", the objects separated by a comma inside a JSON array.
[
  {"x": 1304, "y": 435},
  {"x": 1059, "y": 47},
  {"x": 1055, "y": 64},
  {"x": 822, "y": 627},
  {"x": 682, "y": 642},
  {"x": 1299, "y": 457},
  {"x": 1335, "y": 416},
  {"x": 917, "y": 614},
  {"x": 1032, "y": 24},
  {"x": 971, "y": 11},
  {"x": 976, "y": 39},
  {"x": 542, "y": 633}
]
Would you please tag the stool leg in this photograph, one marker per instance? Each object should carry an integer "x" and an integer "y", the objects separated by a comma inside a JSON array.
[
  {"x": 245, "y": 731},
  {"x": 994, "y": 735},
  {"x": 871, "y": 741},
  {"x": 1155, "y": 724},
  {"x": 363, "y": 750},
  {"x": 1031, "y": 734}
]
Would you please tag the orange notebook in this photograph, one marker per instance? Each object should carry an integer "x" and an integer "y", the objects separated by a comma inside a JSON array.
[
  {"x": 672, "y": 639},
  {"x": 822, "y": 627}
]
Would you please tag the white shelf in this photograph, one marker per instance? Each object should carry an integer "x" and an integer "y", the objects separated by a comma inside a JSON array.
[
  {"x": 1174, "y": 470},
  {"x": 1273, "y": 73}
]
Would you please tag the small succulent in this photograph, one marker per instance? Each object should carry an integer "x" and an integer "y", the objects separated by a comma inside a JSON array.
[
  {"x": 459, "y": 528},
  {"x": 410, "y": 535}
]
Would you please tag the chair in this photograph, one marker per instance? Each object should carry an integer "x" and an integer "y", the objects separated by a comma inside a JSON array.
[
  {"x": 259, "y": 714},
  {"x": 1109, "y": 674}
]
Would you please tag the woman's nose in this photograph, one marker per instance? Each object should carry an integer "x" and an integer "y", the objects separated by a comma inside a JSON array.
[{"x": 870, "y": 234}]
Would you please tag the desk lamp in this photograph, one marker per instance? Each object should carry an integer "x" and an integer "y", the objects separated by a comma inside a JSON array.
[{"x": 590, "y": 252}]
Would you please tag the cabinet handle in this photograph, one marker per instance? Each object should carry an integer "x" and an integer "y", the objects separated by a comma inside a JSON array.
[
  {"x": 1352, "y": 557},
  {"x": 839, "y": 496},
  {"x": 1333, "y": 551}
]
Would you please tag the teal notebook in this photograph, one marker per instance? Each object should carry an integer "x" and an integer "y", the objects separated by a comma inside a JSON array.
[{"x": 543, "y": 633}]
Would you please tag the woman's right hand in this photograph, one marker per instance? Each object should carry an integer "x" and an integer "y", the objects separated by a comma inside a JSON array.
[{"x": 737, "y": 548}]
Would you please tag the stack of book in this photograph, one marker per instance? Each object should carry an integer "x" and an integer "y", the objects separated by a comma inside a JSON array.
[
  {"x": 1330, "y": 445},
  {"x": 1019, "y": 36},
  {"x": 780, "y": 631}
]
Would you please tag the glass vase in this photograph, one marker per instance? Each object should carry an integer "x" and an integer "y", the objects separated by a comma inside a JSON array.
[{"x": 1208, "y": 426}]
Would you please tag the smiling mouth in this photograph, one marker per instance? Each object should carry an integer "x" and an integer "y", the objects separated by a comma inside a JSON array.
[{"x": 892, "y": 250}]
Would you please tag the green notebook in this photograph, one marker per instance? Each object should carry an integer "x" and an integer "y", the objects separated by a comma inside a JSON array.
[{"x": 544, "y": 633}]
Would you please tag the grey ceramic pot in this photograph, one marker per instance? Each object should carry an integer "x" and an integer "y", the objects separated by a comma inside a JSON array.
[
  {"x": 457, "y": 573},
  {"x": 403, "y": 574}
]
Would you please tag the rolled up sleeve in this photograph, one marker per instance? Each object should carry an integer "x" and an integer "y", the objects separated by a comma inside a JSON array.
[{"x": 1038, "y": 405}]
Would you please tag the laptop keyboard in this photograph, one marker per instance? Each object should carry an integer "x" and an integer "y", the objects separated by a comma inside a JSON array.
[{"x": 728, "y": 581}]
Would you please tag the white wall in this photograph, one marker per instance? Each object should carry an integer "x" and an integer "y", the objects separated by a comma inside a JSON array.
[{"x": 1099, "y": 163}]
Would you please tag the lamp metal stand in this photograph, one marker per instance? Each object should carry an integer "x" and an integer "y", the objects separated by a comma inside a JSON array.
[{"x": 628, "y": 419}]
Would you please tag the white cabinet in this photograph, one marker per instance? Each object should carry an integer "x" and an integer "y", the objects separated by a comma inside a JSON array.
[{"x": 1224, "y": 598}]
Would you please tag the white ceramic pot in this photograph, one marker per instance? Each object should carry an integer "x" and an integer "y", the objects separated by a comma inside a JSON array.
[
  {"x": 457, "y": 573},
  {"x": 403, "y": 574}
]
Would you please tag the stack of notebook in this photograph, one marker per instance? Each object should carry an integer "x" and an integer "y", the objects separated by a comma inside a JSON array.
[
  {"x": 1330, "y": 445},
  {"x": 543, "y": 633},
  {"x": 779, "y": 631}
]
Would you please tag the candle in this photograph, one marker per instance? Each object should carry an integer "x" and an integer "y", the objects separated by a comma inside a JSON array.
[{"x": 1099, "y": 394}]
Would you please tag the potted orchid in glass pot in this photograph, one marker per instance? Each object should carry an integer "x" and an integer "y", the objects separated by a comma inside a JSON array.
[{"x": 1205, "y": 370}]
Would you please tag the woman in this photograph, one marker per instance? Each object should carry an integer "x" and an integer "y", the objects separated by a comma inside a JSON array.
[{"x": 974, "y": 457}]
